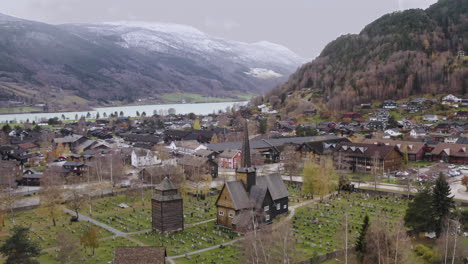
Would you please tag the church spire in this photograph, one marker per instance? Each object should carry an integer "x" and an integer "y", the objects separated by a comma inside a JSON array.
[{"x": 246, "y": 161}]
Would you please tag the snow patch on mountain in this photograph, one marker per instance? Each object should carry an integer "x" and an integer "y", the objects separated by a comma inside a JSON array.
[{"x": 263, "y": 73}]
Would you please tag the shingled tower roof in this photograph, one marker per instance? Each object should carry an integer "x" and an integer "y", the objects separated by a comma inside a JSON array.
[
  {"x": 246, "y": 161},
  {"x": 166, "y": 185}
]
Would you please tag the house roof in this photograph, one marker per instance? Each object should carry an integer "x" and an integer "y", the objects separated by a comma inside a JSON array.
[
  {"x": 73, "y": 163},
  {"x": 413, "y": 147},
  {"x": 229, "y": 153},
  {"x": 268, "y": 143},
  {"x": 187, "y": 144},
  {"x": 367, "y": 150},
  {"x": 140, "y": 152},
  {"x": 27, "y": 145},
  {"x": 203, "y": 153},
  {"x": 139, "y": 255},
  {"x": 188, "y": 160},
  {"x": 68, "y": 139},
  {"x": 456, "y": 150},
  {"x": 238, "y": 195}
]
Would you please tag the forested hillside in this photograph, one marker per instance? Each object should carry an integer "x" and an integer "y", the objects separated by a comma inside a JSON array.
[{"x": 398, "y": 55}]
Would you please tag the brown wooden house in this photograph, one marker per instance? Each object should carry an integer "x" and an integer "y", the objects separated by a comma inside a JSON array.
[
  {"x": 364, "y": 157},
  {"x": 167, "y": 208},
  {"x": 250, "y": 199},
  {"x": 415, "y": 150}
]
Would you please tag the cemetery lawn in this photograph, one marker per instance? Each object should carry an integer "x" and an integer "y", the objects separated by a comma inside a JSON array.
[
  {"x": 319, "y": 225},
  {"x": 42, "y": 230},
  {"x": 226, "y": 255},
  {"x": 191, "y": 239},
  {"x": 137, "y": 216}
]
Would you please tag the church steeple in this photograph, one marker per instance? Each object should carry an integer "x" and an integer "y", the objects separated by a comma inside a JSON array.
[
  {"x": 246, "y": 161},
  {"x": 246, "y": 173}
]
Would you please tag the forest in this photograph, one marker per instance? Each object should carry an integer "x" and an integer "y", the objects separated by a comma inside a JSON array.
[{"x": 401, "y": 54}]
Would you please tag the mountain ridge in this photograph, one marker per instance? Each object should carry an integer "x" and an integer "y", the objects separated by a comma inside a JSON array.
[
  {"x": 124, "y": 62},
  {"x": 401, "y": 54}
]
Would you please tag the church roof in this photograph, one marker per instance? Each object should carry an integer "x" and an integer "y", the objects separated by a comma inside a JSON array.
[
  {"x": 239, "y": 196},
  {"x": 275, "y": 185}
]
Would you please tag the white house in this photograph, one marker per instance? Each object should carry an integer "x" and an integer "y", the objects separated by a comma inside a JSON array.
[
  {"x": 392, "y": 133},
  {"x": 431, "y": 118},
  {"x": 451, "y": 100},
  {"x": 143, "y": 157},
  {"x": 187, "y": 147},
  {"x": 418, "y": 132}
]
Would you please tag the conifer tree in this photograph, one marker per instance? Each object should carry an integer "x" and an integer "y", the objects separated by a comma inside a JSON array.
[
  {"x": 19, "y": 248},
  {"x": 361, "y": 240},
  {"x": 442, "y": 202}
]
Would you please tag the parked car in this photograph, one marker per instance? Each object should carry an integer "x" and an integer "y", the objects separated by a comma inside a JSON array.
[
  {"x": 454, "y": 173},
  {"x": 451, "y": 166}
]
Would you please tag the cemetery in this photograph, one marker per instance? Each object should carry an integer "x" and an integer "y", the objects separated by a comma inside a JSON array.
[
  {"x": 132, "y": 212},
  {"x": 42, "y": 229},
  {"x": 191, "y": 239},
  {"x": 319, "y": 225}
]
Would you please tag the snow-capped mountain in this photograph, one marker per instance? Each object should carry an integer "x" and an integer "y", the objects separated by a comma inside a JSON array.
[{"x": 128, "y": 60}]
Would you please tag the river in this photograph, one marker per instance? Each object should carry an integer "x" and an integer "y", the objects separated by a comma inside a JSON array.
[{"x": 199, "y": 109}]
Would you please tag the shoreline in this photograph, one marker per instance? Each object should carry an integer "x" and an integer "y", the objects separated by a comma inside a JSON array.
[{"x": 123, "y": 105}]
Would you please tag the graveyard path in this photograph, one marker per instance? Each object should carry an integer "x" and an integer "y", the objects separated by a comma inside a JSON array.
[
  {"x": 185, "y": 226},
  {"x": 100, "y": 224},
  {"x": 171, "y": 258}
]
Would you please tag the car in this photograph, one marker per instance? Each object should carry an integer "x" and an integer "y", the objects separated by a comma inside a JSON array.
[
  {"x": 451, "y": 166},
  {"x": 464, "y": 167},
  {"x": 454, "y": 173},
  {"x": 402, "y": 173}
]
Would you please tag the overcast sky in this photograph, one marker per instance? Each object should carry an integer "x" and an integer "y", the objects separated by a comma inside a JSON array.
[{"x": 304, "y": 26}]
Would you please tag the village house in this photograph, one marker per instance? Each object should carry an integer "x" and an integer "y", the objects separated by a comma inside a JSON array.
[
  {"x": 205, "y": 153},
  {"x": 140, "y": 255},
  {"x": 188, "y": 147},
  {"x": 322, "y": 145},
  {"x": 416, "y": 150},
  {"x": 351, "y": 116},
  {"x": 269, "y": 149},
  {"x": 196, "y": 166},
  {"x": 250, "y": 200},
  {"x": 389, "y": 104},
  {"x": 452, "y": 153},
  {"x": 229, "y": 159},
  {"x": 76, "y": 168},
  {"x": 363, "y": 157},
  {"x": 451, "y": 100},
  {"x": 418, "y": 132},
  {"x": 10, "y": 171},
  {"x": 461, "y": 115},
  {"x": 143, "y": 158},
  {"x": 431, "y": 118}
]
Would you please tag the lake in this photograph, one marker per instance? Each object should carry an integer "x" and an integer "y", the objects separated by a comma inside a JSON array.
[{"x": 199, "y": 109}]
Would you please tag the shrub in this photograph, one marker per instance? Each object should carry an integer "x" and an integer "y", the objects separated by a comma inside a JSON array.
[{"x": 426, "y": 253}]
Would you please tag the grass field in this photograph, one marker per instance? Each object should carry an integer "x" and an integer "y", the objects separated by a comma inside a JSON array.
[
  {"x": 196, "y": 98},
  {"x": 20, "y": 109}
]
